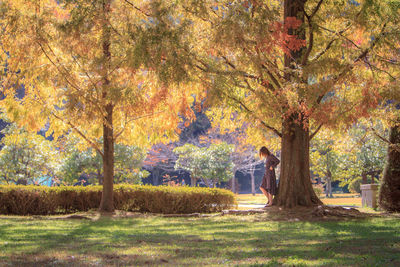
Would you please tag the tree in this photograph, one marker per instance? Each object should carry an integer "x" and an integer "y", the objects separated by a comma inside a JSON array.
[
  {"x": 212, "y": 164},
  {"x": 325, "y": 160},
  {"x": 128, "y": 164},
  {"x": 25, "y": 157},
  {"x": 292, "y": 68},
  {"x": 161, "y": 158},
  {"x": 389, "y": 195},
  {"x": 365, "y": 151},
  {"x": 103, "y": 70},
  {"x": 244, "y": 154},
  {"x": 349, "y": 155}
]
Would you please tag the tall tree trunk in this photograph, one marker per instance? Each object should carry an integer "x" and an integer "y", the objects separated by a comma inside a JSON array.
[
  {"x": 389, "y": 195},
  {"x": 233, "y": 183},
  {"x": 295, "y": 188},
  {"x": 328, "y": 188},
  {"x": 107, "y": 198},
  {"x": 156, "y": 176},
  {"x": 99, "y": 176},
  {"x": 253, "y": 185},
  {"x": 192, "y": 181}
]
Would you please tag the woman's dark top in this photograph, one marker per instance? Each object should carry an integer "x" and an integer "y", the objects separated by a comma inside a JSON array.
[{"x": 269, "y": 179}]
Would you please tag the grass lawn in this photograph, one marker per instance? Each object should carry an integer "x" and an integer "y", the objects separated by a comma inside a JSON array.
[
  {"x": 338, "y": 199},
  {"x": 251, "y": 240}
]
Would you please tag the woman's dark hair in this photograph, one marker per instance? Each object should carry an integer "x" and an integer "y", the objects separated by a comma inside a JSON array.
[{"x": 264, "y": 151}]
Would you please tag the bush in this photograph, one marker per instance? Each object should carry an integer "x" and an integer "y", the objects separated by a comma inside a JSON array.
[{"x": 41, "y": 200}]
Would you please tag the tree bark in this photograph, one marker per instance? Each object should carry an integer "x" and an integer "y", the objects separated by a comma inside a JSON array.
[
  {"x": 107, "y": 198},
  {"x": 389, "y": 195},
  {"x": 253, "y": 185},
  {"x": 233, "y": 185},
  {"x": 295, "y": 188},
  {"x": 364, "y": 178},
  {"x": 328, "y": 188},
  {"x": 156, "y": 176},
  {"x": 192, "y": 181}
]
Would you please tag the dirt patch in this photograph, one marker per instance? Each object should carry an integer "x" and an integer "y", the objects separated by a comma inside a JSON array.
[{"x": 315, "y": 213}]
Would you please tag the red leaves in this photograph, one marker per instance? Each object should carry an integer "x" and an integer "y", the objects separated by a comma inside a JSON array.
[
  {"x": 289, "y": 42},
  {"x": 292, "y": 23},
  {"x": 279, "y": 35}
]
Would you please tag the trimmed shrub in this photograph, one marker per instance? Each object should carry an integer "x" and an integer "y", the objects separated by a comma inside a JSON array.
[{"x": 41, "y": 200}]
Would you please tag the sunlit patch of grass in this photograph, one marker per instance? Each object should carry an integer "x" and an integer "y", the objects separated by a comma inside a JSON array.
[
  {"x": 338, "y": 199},
  {"x": 343, "y": 201},
  {"x": 222, "y": 240}
]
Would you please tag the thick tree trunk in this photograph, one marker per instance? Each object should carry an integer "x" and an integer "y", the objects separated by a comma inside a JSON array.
[
  {"x": 295, "y": 188},
  {"x": 253, "y": 185},
  {"x": 107, "y": 198},
  {"x": 389, "y": 195}
]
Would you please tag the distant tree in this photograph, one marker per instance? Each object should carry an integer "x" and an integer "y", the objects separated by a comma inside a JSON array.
[
  {"x": 325, "y": 160},
  {"x": 244, "y": 156},
  {"x": 363, "y": 153},
  {"x": 128, "y": 163},
  {"x": 211, "y": 164},
  {"x": 349, "y": 156},
  {"x": 25, "y": 157}
]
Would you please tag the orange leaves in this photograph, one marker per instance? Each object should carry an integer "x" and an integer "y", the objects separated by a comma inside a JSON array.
[
  {"x": 292, "y": 23},
  {"x": 281, "y": 35}
]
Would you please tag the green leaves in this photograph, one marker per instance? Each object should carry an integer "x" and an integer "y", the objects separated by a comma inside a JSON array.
[
  {"x": 211, "y": 164},
  {"x": 26, "y": 156}
]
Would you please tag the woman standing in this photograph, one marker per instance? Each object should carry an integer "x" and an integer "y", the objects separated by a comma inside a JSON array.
[{"x": 268, "y": 184}]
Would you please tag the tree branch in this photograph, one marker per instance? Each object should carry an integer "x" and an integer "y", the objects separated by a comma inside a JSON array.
[
  {"x": 252, "y": 114},
  {"x": 350, "y": 66},
  {"x": 138, "y": 9},
  {"x": 316, "y": 131},
  {"x": 73, "y": 127}
]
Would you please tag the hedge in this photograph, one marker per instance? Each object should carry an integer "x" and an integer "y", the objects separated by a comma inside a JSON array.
[{"x": 42, "y": 200}]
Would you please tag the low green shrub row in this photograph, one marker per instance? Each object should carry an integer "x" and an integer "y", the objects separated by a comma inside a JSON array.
[{"x": 41, "y": 200}]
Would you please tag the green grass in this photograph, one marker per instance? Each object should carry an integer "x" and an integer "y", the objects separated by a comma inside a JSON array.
[
  {"x": 221, "y": 240},
  {"x": 338, "y": 199}
]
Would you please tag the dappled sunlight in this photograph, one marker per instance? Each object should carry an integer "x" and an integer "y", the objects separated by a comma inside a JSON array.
[{"x": 207, "y": 241}]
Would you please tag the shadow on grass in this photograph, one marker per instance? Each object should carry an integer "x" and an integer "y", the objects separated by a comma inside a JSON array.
[{"x": 162, "y": 241}]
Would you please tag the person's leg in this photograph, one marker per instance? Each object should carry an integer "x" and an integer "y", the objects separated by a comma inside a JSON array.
[
  {"x": 267, "y": 195},
  {"x": 269, "y": 199},
  {"x": 264, "y": 192}
]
